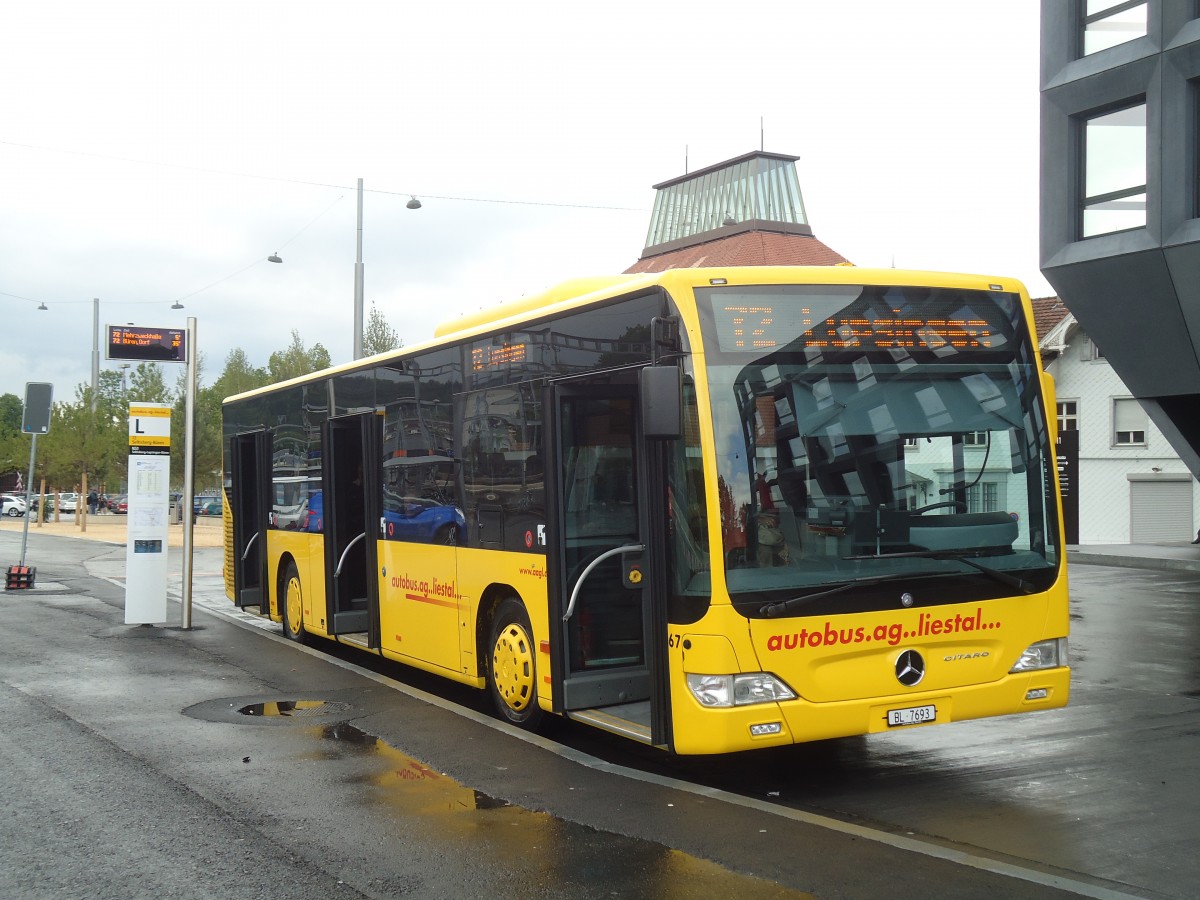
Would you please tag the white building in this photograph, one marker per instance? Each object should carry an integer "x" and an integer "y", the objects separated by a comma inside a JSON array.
[{"x": 1131, "y": 486}]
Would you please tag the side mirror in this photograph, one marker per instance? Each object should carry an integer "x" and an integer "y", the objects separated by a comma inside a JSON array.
[{"x": 661, "y": 402}]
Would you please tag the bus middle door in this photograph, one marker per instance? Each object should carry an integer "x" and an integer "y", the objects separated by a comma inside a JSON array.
[{"x": 350, "y": 464}]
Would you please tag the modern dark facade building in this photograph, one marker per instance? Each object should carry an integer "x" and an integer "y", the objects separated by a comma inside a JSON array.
[{"x": 1120, "y": 206}]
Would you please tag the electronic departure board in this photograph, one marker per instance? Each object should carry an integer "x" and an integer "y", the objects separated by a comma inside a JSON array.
[
  {"x": 762, "y": 323},
  {"x": 146, "y": 344},
  {"x": 490, "y": 357}
]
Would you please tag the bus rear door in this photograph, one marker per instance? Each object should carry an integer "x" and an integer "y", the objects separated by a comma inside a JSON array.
[{"x": 250, "y": 470}]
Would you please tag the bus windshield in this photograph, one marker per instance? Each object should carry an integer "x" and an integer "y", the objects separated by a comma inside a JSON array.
[{"x": 866, "y": 432}]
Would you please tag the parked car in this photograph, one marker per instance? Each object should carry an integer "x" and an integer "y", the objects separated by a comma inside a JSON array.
[
  {"x": 68, "y": 501},
  {"x": 11, "y": 505},
  {"x": 119, "y": 504},
  {"x": 314, "y": 514},
  {"x": 208, "y": 506}
]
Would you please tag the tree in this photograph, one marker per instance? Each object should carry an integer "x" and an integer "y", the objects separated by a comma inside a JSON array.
[
  {"x": 147, "y": 384},
  {"x": 379, "y": 336},
  {"x": 83, "y": 440},
  {"x": 12, "y": 409},
  {"x": 14, "y": 451},
  {"x": 296, "y": 360},
  {"x": 239, "y": 375}
]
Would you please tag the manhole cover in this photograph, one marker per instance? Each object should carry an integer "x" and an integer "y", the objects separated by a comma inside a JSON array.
[{"x": 254, "y": 708}]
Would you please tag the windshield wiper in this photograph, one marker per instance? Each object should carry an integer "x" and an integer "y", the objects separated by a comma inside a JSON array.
[
  {"x": 961, "y": 556},
  {"x": 774, "y": 609}
]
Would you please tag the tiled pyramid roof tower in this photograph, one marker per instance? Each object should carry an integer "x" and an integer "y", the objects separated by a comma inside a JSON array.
[{"x": 746, "y": 211}]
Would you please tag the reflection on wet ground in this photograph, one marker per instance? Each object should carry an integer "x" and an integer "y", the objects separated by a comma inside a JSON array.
[
  {"x": 554, "y": 853},
  {"x": 293, "y": 708}
]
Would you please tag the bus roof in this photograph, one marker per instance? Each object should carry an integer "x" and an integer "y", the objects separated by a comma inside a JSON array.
[{"x": 582, "y": 291}]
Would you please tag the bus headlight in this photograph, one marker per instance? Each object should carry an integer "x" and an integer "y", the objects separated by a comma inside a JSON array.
[
  {"x": 738, "y": 690},
  {"x": 1043, "y": 655}
]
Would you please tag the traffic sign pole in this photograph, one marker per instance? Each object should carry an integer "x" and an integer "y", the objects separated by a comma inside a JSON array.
[{"x": 35, "y": 420}]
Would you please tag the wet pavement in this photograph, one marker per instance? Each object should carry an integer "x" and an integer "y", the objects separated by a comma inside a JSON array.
[{"x": 224, "y": 761}]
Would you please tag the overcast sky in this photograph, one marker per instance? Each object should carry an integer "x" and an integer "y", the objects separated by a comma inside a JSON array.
[{"x": 154, "y": 152}]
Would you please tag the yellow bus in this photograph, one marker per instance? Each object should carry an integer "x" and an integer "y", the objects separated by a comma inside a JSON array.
[{"x": 707, "y": 509}]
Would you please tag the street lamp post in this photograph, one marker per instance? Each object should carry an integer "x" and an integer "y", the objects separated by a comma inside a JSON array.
[
  {"x": 95, "y": 350},
  {"x": 358, "y": 282},
  {"x": 413, "y": 203}
]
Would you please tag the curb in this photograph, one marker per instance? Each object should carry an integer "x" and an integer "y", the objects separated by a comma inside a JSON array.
[{"x": 1134, "y": 562}]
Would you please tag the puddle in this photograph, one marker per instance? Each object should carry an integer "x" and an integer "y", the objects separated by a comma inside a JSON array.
[{"x": 294, "y": 708}]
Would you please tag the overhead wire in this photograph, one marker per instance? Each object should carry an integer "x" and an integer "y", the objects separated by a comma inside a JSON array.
[
  {"x": 323, "y": 184},
  {"x": 251, "y": 265}
]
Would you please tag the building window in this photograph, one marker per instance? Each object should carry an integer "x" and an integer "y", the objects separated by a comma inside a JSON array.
[
  {"x": 1194, "y": 87},
  {"x": 975, "y": 439},
  {"x": 1114, "y": 171},
  {"x": 1068, "y": 415},
  {"x": 1091, "y": 350},
  {"x": 983, "y": 497},
  {"x": 1129, "y": 422},
  {"x": 1107, "y": 23}
]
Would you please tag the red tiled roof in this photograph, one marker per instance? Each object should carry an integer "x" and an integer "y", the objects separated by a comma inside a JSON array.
[
  {"x": 752, "y": 248},
  {"x": 1047, "y": 312}
]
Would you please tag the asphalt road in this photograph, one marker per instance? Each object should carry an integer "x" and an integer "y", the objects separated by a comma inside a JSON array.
[{"x": 134, "y": 768}]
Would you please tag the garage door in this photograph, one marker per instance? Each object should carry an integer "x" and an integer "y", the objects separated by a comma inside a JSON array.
[{"x": 1161, "y": 510}]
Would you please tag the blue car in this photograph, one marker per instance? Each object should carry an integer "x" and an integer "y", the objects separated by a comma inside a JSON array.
[
  {"x": 414, "y": 519},
  {"x": 314, "y": 520},
  {"x": 422, "y": 520}
]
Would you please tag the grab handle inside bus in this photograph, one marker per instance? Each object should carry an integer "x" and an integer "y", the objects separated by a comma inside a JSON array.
[
  {"x": 615, "y": 551},
  {"x": 249, "y": 544},
  {"x": 345, "y": 553}
]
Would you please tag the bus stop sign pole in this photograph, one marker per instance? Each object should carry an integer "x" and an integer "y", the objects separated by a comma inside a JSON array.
[{"x": 35, "y": 420}]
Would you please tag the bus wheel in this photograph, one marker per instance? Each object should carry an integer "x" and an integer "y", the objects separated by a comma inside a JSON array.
[
  {"x": 511, "y": 666},
  {"x": 292, "y": 606}
]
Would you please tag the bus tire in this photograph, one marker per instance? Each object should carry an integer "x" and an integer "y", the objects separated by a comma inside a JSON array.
[
  {"x": 291, "y": 605},
  {"x": 512, "y": 666}
]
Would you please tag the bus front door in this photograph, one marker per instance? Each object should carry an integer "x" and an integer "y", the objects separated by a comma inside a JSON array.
[
  {"x": 604, "y": 656},
  {"x": 350, "y": 462},
  {"x": 250, "y": 470}
]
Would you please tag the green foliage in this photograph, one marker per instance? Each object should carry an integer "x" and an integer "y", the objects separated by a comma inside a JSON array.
[
  {"x": 11, "y": 409},
  {"x": 147, "y": 384},
  {"x": 14, "y": 447},
  {"x": 82, "y": 439},
  {"x": 378, "y": 335},
  {"x": 296, "y": 360},
  {"x": 239, "y": 375}
]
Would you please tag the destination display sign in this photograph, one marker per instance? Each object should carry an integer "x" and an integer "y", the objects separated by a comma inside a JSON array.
[
  {"x": 143, "y": 344},
  {"x": 768, "y": 327},
  {"x": 846, "y": 318}
]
